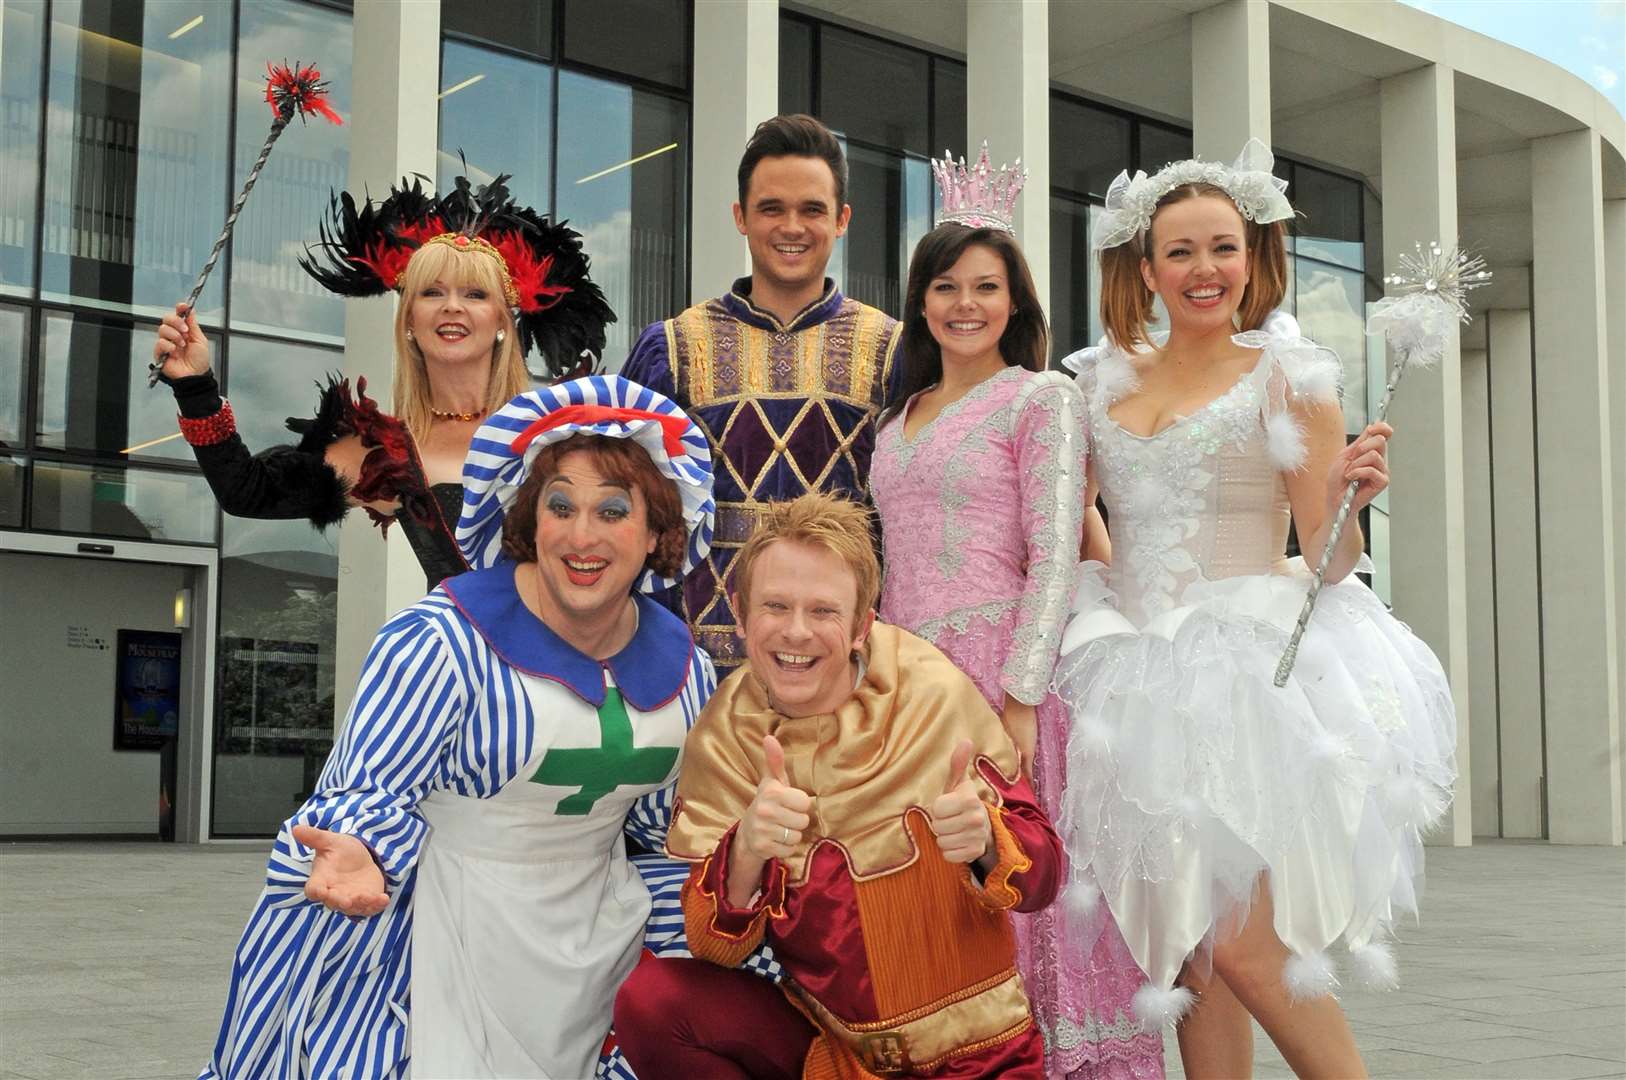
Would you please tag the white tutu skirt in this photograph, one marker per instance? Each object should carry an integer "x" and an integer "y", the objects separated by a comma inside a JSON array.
[{"x": 1190, "y": 774}]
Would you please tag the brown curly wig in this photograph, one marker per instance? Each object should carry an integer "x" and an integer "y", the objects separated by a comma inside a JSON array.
[{"x": 621, "y": 461}]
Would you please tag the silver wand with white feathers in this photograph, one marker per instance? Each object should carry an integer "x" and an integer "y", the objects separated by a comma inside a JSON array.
[{"x": 1433, "y": 287}]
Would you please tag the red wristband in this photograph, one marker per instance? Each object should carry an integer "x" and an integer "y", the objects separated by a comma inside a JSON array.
[{"x": 209, "y": 430}]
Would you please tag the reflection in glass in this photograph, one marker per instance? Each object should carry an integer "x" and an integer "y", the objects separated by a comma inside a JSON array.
[
  {"x": 1159, "y": 146},
  {"x": 495, "y": 111},
  {"x": 1070, "y": 274},
  {"x": 623, "y": 184},
  {"x": 870, "y": 261},
  {"x": 1088, "y": 147},
  {"x": 269, "y": 290},
  {"x": 93, "y": 393},
  {"x": 517, "y": 25},
  {"x": 874, "y": 91},
  {"x": 11, "y": 491},
  {"x": 134, "y": 159},
  {"x": 140, "y": 504},
  {"x": 795, "y": 66},
  {"x": 274, "y": 697},
  {"x": 1328, "y": 226},
  {"x": 647, "y": 39},
  {"x": 22, "y": 44},
  {"x": 13, "y": 343},
  {"x": 1331, "y": 307}
]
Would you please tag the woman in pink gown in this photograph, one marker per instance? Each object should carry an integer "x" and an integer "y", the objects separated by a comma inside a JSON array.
[{"x": 978, "y": 476}]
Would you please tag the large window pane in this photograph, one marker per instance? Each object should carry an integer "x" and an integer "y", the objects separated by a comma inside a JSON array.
[
  {"x": 11, "y": 491},
  {"x": 948, "y": 109},
  {"x": 874, "y": 91},
  {"x": 869, "y": 263},
  {"x": 274, "y": 695},
  {"x": 1331, "y": 306},
  {"x": 13, "y": 347},
  {"x": 496, "y": 112},
  {"x": 522, "y": 25},
  {"x": 93, "y": 393},
  {"x": 1160, "y": 145},
  {"x": 139, "y": 504},
  {"x": 1329, "y": 223},
  {"x": 1070, "y": 274},
  {"x": 795, "y": 66},
  {"x": 623, "y": 184},
  {"x": 1088, "y": 147},
  {"x": 22, "y": 45},
  {"x": 135, "y": 169},
  {"x": 647, "y": 39},
  {"x": 311, "y": 161}
]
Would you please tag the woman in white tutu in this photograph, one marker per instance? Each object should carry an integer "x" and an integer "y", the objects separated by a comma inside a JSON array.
[{"x": 1236, "y": 830}]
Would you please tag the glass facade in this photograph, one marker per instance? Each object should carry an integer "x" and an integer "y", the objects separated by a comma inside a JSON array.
[
  {"x": 605, "y": 145},
  {"x": 893, "y": 107},
  {"x": 22, "y": 55}
]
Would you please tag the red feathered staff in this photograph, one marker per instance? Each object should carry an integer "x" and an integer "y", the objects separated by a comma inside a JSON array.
[{"x": 290, "y": 91}]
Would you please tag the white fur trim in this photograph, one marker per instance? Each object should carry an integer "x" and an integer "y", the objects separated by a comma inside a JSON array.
[
  {"x": 1320, "y": 380},
  {"x": 1309, "y": 976},
  {"x": 1157, "y": 1008},
  {"x": 1081, "y": 898},
  {"x": 1114, "y": 376},
  {"x": 1374, "y": 966},
  {"x": 1284, "y": 441}
]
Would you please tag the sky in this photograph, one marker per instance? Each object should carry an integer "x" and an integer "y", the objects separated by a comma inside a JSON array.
[{"x": 1588, "y": 37}]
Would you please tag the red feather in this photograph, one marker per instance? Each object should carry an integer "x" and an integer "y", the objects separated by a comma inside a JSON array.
[
  {"x": 297, "y": 91},
  {"x": 529, "y": 273}
]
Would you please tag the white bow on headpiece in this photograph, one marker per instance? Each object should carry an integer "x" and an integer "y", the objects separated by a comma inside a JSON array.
[{"x": 1131, "y": 201}]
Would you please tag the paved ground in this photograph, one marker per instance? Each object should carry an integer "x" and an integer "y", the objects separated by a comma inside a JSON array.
[{"x": 113, "y": 959}]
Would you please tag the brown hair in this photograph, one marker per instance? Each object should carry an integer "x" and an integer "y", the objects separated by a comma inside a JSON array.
[
  {"x": 797, "y": 135},
  {"x": 508, "y": 377},
  {"x": 1126, "y": 302},
  {"x": 622, "y": 461},
  {"x": 818, "y": 520},
  {"x": 1026, "y": 340}
]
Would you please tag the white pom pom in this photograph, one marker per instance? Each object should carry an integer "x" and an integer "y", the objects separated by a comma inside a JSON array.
[
  {"x": 1114, "y": 376},
  {"x": 1321, "y": 379},
  {"x": 1309, "y": 976},
  {"x": 1374, "y": 966},
  {"x": 1081, "y": 898},
  {"x": 1192, "y": 809},
  {"x": 1280, "y": 324},
  {"x": 1095, "y": 735},
  {"x": 1285, "y": 442},
  {"x": 1162, "y": 1008},
  {"x": 1329, "y": 747},
  {"x": 1407, "y": 800}
]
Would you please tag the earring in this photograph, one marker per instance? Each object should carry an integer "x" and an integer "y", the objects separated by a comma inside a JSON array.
[
  {"x": 409, "y": 334},
  {"x": 502, "y": 335}
]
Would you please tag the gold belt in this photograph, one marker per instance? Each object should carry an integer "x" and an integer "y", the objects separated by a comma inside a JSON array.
[{"x": 979, "y": 1016}]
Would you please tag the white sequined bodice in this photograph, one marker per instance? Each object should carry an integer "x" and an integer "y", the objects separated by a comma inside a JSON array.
[{"x": 1200, "y": 500}]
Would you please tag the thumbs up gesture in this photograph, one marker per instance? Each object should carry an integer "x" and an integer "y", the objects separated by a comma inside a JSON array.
[
  {"x": 959, "y": 817},
  {"x": 344, "y": 876},
  {"x": 773, "y": 823}
]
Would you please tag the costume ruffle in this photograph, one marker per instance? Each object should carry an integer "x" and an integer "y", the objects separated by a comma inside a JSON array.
[{"x": 1190, "y": 773}]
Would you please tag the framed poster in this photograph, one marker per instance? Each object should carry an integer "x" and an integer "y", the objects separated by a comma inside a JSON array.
[{"x": 147, "y": 700}]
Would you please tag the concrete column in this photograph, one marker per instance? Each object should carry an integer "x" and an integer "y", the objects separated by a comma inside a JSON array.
[
  {"x": 1520, "y": 741},
  {"x": 1614, "y": 261},
  {"x": 1429, "y": 558},
  {"x": 1481, "y": 598},
  {"x": 1230, "y": 77},
  {"x": 1008, "y": 103},
  {"x": 1576, "y": 492},
  {"x": 736, "y": 87},
  {"x": 393, "y": 133}
]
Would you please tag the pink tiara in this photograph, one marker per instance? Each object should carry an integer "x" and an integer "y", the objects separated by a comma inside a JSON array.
[{"x": 978, "y": 197}]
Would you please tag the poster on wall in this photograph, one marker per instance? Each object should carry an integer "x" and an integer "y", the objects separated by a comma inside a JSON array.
[{"x": 147, "y": 703}]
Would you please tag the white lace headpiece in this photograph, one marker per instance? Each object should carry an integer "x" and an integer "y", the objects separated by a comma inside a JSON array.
[{"x": 1131, "y": 201}]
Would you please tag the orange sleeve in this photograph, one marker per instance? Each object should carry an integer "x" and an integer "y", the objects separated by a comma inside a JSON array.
[{"x": 718, "y": 931}]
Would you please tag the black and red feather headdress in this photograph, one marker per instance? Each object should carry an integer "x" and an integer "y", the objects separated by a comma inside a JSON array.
[{"x": 558, "y": 309}]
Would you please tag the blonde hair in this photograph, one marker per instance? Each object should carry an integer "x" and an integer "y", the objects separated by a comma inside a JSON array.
[
  {"x": 467, "y": 269},
  {"x": 1126, "y": 302},
  {"x": 836, "y": 525}
]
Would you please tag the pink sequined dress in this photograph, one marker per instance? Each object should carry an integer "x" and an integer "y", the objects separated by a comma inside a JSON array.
[{"x": 981, "y": 515}]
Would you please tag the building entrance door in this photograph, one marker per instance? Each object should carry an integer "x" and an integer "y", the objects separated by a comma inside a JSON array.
[{"x": 106, "y": 663}]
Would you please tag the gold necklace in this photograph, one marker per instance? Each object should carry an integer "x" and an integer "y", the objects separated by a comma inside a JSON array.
[{"x": 464, "y": 416}]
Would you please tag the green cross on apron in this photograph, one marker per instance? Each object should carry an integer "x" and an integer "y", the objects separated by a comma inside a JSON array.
[{"x": 614, "y": 763}]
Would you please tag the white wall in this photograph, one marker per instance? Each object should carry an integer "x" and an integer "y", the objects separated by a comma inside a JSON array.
[{"x": 59, "y": 772}]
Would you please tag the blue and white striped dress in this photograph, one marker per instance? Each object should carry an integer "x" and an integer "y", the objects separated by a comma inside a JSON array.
[{"x": 449, "y": 749}]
